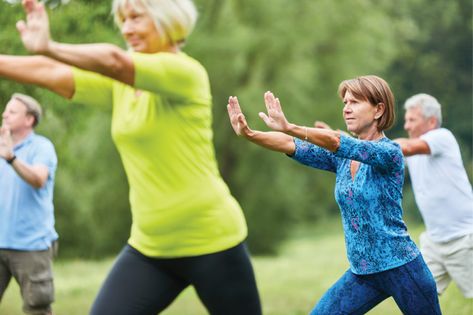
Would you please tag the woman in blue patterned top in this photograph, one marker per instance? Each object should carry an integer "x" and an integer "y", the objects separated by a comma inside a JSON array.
[{"x": 384, "y": 261}]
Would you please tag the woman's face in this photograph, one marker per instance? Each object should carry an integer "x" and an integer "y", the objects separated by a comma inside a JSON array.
[
  {"x": 138, "y": 29},
  {"x": 359, "y": 115}
]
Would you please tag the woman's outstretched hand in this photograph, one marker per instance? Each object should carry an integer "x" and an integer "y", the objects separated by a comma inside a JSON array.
[
  {"x": 237, "y": 119},
  {"x": 275, "y": 118},
  {"x": 35, "y": 31}
]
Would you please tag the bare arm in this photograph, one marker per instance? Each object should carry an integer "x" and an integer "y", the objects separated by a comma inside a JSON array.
[
  {"x": 106, "y": 59},
  {"x": 276, "y": 141},
  {"x": 275, "y": 119},
  {"x": 35, "y": 175},
  {"x": 413, "y": 146},
  {"x": 38, "y": 70}
]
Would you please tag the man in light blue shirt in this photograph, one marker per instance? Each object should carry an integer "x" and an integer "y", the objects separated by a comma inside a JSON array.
[{"x": 27, "y": 236}]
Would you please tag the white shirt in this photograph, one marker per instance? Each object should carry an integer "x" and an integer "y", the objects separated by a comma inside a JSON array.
[{"x": 441, "y": 187}]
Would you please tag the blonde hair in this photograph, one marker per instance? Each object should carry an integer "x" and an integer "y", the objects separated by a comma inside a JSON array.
[
  {"x": 32, "y": 106},
  {"x": 374, "y": 90},
  {"x": 174, "y": 19}
]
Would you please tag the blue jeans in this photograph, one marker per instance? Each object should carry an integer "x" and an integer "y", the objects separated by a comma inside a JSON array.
[{"x": 411, "y": 286}]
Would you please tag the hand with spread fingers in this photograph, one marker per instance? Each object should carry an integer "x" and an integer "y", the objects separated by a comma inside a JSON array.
[
  {"x": 275, "y": 118},
  {"x": 34, "y": 31}
]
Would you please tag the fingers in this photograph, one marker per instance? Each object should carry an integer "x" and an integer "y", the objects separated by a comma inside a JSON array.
[
  {"x": 265, "y": 118},
  {"x": 277, "y": 105},
  {"x": 33, "y": 8},
  {"x": 30, "y": 6},
  {"x": 235, "y": 114},
  {"x": 21, "y": 26},
  {"x": 269, "y": 100},
  {"x": 5, "y": 131},
  {"x": 272, "y": 103},
  {"x": 233, "y": 104}
]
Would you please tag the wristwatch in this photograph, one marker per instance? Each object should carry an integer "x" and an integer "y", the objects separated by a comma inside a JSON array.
[{"x": 10, "y": 161}]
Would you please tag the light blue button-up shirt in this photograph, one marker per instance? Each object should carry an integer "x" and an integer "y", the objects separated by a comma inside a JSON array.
[
  {"x": 370, "y": 203},
  {"x": 27, "y": 213}
]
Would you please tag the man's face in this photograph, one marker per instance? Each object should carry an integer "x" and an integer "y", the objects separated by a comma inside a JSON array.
[
  {"x": 416, "y": 124},
  {"x": 16, "y": 117}
]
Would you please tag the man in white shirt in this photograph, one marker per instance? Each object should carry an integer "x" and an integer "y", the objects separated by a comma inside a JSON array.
[{"x": 442, "y": 192}]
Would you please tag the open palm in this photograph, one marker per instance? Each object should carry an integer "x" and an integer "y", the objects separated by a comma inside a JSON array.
[
  {"x": 237, "y": 119},
  {"x": 35, "y": 31},
  {"x": 275, "y": 118}
]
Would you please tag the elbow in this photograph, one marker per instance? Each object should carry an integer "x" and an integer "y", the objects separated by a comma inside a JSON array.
[
  {"x": 121, "y": 66},
  {"x": 38, "y": 184},
  {"x": 406, "y": 150},
  {"x": 39, "y": 181}
]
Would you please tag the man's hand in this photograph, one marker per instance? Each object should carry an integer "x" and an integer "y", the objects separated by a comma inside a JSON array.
[{"x": 6, "y": 143}]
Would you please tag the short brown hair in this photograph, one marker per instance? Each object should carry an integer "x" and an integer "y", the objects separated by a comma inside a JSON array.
[
  {"x": 375, "y": 90},
  {"x": 32, "y": 106}
]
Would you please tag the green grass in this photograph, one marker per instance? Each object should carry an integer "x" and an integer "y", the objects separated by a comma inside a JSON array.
[{"x": 289, "y": 284}]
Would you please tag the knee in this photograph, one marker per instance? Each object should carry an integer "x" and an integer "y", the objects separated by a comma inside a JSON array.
[{"x": 38, "y": 294}]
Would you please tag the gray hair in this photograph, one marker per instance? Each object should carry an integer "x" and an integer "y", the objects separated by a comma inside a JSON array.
[
  {"x": 428, "y": 104},
  {"x": 174, "y": 19},
  {"x": 32, "y": 106}
]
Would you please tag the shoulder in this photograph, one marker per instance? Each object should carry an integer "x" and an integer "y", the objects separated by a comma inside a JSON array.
[
  {"x": 42, "y": 143},
  {"x": 438, "y": 133},
  {"x": 165, "y": 58},
  {"x": 389, "y": 145},
  {"x": 439, "y": 138}
]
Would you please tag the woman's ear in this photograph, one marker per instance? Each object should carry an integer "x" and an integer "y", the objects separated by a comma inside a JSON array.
[{"x": 380, "y": 107}]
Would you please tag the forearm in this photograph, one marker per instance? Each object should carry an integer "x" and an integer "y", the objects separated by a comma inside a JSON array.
[
  {"x": 35, "y": 176},
  {"x": 106, "y": 59},
  {"x": 275, "y": 141},
  {"x": 38, "y": 70},
  {"x": 325, "y": 138},
  {"x": 411, "y": 147}
]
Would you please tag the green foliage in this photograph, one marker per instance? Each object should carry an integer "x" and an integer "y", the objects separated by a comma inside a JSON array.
[
  {"x": 300, "y": 50},
  {"x": 289, "y": 284}
]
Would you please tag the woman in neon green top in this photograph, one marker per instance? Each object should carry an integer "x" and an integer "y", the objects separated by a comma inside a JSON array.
[{"x": 187, "y": 228}]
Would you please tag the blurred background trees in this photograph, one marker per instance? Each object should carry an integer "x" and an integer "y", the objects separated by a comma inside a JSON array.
[{"x": 300, "y": 50}]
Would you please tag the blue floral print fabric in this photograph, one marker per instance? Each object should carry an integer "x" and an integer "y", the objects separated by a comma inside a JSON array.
[{"x": 376, "y": 237}]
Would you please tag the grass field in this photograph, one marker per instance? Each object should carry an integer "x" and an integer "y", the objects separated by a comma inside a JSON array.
[{"x": 289, "y": 284}]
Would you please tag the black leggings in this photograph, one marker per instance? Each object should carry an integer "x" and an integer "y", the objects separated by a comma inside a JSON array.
[{"x": 140, "y": 285}]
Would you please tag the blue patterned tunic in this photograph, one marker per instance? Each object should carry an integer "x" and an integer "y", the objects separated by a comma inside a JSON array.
[{"x": 376, "y": 237}]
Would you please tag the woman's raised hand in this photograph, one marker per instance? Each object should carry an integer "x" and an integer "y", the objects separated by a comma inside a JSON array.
[
  {"x": 275, "y": 118},
  {"x": 237, "y": 119},
  {"x": 35, "y": 31}
]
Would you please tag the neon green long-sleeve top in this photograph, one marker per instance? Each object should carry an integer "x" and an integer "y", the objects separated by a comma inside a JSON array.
[{"x": 162, "y": 129}]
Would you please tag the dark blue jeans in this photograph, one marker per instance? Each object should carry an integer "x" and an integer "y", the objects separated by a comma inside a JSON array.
[
  {"x": 411, "y": 286},
  {"x": 141, "y": 285}
]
